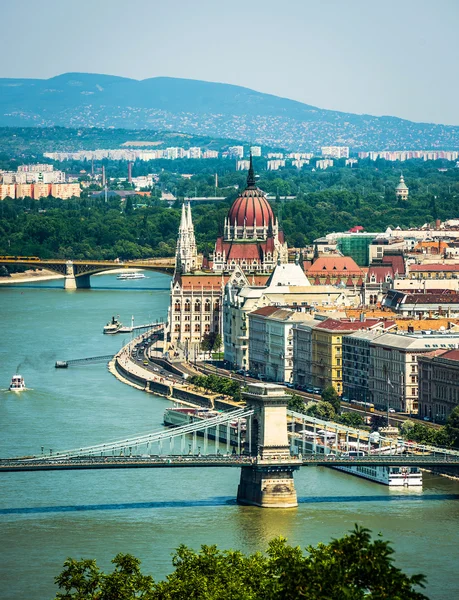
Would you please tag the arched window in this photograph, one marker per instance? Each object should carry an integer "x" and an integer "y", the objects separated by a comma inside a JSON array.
[
  {"x": 187, "y": 327},
  {"x": 177, "y": 306},
  {"x": 197, "y": 306},
  {"x": 216, "y": 305},
  {"x": 177, "y": 328},
  {"x": 197, "y": 328},
  {"x": 207, "y": 328},
  {"x": 187, "y": 306},
  {"x": 207, "y": 306}
]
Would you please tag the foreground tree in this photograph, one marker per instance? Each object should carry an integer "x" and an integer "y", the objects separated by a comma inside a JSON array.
[{"x": 352, "y": 568}]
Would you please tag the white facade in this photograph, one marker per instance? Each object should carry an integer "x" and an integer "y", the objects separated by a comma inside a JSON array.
[
  {"x": 335, "y": 151},
  {"x": 271, "y": 342}
]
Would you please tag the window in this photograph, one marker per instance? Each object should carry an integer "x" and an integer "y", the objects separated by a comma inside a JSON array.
[
  {"x": 207, "y": 328},
  {"x": 187, "y": 327},
  {"x": 197, "y": 307},
  {"x": 177, "y": 306},
  {"x": 207, "y": 306},
  {"x": 187, "y": 306},
  {"x": 196, "y": 328},
  {"x": 177, "y": 328}
]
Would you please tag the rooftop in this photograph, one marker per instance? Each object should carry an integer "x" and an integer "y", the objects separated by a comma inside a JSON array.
[{"x": 348, "y": 325}]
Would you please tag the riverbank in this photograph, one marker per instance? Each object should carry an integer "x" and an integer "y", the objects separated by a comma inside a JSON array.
[
  {"x": 30, "y": 276},
  {"x": 131, "y": 373}
]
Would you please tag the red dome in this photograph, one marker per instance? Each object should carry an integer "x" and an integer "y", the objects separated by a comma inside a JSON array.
[{"x": 250, "y": 207}]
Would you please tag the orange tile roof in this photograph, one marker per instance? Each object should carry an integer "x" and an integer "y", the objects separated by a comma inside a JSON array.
[{"x": 344, "y": 265}]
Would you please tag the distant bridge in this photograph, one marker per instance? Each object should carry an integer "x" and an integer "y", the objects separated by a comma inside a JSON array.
[{"x": 77, "y": 272}]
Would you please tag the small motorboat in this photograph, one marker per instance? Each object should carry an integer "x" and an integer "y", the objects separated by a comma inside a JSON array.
[{"x": 17, "y": 384}]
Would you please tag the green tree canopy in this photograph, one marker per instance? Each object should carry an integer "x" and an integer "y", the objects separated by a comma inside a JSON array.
[
  {"x": 330, "y": 395},
  {"x": 354, "y": 567}
]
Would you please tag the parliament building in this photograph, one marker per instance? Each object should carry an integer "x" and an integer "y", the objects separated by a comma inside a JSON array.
[{"x": 251, "y": 246}]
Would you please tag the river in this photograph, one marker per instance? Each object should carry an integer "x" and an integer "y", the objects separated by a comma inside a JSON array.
[{"x": 46, "y": 517}]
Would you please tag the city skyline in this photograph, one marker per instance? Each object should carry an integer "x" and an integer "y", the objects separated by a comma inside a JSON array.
[{"x": 395, "y": 60}]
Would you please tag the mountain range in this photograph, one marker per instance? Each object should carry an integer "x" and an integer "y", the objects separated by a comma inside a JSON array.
[{"x": 205, "y": 108}]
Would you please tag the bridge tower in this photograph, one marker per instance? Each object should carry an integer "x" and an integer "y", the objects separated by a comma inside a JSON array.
[{"x": 269, "y": 481}]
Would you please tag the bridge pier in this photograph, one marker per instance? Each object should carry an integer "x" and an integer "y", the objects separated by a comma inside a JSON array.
[
  {"x": 73, "y": 281},
  {"x": 268, "y": 483}
]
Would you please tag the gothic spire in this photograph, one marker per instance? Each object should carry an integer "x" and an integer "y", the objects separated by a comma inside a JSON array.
[{"x": 251, "y": 176}]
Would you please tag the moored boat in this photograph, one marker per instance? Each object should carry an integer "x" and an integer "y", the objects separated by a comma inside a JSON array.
[
  {"x": 17, "y": 384},
  {"x": 125, "y": 276},
  {"x": 113, "y": 327}
]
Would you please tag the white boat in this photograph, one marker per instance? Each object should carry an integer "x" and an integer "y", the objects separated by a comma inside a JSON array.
[
  {"x": 113, "y": 327},
  {"x": 176, "y": 417},
  {"x": 125, "y": 276},
  {"x": 391, "y": 476},
  {"x": 17, "y": 384}
]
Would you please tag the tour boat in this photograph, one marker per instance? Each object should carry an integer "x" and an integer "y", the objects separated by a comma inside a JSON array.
[
  {"x": 113, "y": 327},
  {"x": 391, "y": 476},
  {"x": 17, "y": 384},
  {"x": 125, "y": 276},
  {"x": 177, "y": 417}
]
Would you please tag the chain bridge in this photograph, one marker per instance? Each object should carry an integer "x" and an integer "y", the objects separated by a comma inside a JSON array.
[
  {"x": 263, "y": 439},
  {"x": 77, "y": 272}
]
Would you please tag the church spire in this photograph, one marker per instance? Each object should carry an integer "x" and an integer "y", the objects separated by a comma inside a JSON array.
[
  {"x": 251, "y": 176},
  {"x": 186, "y": 253}
]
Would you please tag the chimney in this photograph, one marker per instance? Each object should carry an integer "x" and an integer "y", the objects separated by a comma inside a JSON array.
[
  {"x": 103, "y": 176},
  {"x": 129, "y": 172},
  {"x": 437, "y": 224},
  {"x": 362, "y": 317}
]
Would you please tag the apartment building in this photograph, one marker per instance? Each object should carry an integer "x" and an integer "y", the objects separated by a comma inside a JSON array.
[
  {"x": 7, "y": 190},
  {"x": 356, "y": 364},
  {"x": 438, "y": 374},
  {"x": 393, "y": 377},
  {"x": 271, "y": 342},
  {"x": 327, "y": 355},
  {"x": 302, "y": 352}
]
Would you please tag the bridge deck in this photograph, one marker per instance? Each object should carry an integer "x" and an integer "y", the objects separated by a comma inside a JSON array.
[{"x": 139, "y": 462}]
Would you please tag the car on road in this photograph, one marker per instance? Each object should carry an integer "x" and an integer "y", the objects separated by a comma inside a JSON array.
[
  {"x": 316, "y": 390},
  {"x": 309, "y": 390},
  {"x": 391, "y": 410}
]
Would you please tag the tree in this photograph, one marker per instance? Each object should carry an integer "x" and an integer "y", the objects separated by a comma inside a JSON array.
[
  {"x": 351, "y": 419},
  {"x": 377, "y": 421},
  {"x": 296, "y": 403},
  {"x": 329, "y": 394},
  {"x": 354, "y": 567},
  {"x": 321, "y": 410},
  {"x": 452, "y": 427}
]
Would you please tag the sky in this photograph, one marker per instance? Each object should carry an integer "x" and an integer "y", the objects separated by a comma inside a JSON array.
[{"x": 386, "y": 57}]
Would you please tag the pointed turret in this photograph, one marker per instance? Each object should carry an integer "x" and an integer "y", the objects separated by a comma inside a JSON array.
[
  {"x": 186, "y": 256},
  {"x": 251, "y": 176}
]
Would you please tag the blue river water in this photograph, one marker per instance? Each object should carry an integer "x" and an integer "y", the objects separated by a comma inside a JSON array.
[{"x": 49, "y": 516}]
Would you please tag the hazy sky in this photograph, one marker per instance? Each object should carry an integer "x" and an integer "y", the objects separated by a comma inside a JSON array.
[{"x": 383, "y": 57}]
